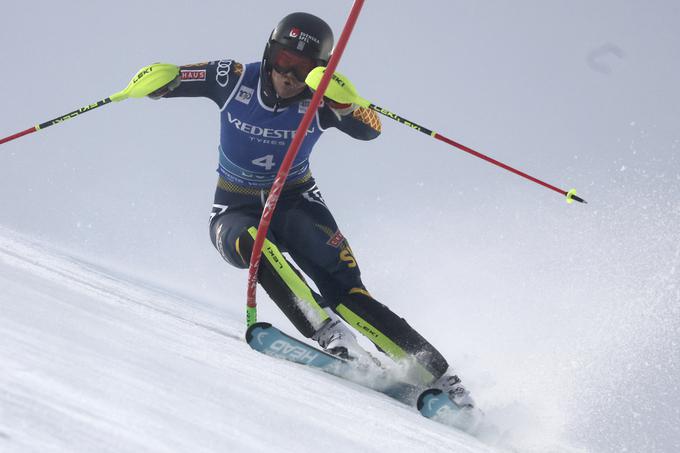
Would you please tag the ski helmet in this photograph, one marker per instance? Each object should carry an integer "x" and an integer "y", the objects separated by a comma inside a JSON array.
[{"x": 305, "y": 35}]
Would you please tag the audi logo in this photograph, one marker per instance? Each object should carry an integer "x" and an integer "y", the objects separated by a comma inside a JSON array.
[{"x": 223, "y": 68}]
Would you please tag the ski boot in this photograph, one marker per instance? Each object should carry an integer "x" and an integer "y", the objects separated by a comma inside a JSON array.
[
  {"x": 336, "y": 339},
  {"x": 459, "y": 395}
]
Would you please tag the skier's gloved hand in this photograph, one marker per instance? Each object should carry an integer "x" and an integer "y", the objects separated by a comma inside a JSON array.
[
  {"x": 165, "y": 89},
  {"x": 340, "y": 95},
  {"x": 340, "y": 109}
]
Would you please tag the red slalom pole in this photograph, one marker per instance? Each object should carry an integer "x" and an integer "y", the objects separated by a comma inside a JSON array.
[{"x": 282, "y": 175}]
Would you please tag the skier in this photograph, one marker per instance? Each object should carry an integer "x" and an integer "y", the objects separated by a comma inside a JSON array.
[{"x": 261, "y": 105}]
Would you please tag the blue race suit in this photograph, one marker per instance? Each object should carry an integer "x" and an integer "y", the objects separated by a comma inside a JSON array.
[{"x": 256, "y": 129}]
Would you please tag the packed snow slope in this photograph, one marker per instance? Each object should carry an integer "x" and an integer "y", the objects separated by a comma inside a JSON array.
[{"x": 94, "y": 361}]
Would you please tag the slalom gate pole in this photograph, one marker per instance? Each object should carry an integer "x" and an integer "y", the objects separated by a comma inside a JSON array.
[
  {"x": 282, "y": 175},
  {"x": 342, "y": 90},
  {"x": 147, "y": 80}
]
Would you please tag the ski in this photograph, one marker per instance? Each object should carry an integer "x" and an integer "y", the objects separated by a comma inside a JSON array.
[
  {"x": 436, "y": 405},
  {"x": 267, "y": 339}
]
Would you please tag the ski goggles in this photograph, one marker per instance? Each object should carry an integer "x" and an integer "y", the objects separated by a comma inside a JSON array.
[{"x": 285, "y": 61}]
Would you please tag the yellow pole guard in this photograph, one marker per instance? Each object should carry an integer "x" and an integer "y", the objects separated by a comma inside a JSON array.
[
  {"x": 147, "y": 80},
  {"x": 340, "y": 89}
]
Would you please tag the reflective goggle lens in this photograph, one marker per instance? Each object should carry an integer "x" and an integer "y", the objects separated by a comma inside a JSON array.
[{"x": 285, "y": 61}]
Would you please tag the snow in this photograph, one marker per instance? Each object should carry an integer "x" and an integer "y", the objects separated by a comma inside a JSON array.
[{"x": 94, "y": 361}]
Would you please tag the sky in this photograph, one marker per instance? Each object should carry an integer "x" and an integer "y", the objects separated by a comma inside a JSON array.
[{"x": 571, "y": 310}]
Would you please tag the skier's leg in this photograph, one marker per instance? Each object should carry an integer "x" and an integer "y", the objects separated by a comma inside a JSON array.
[
  {"x": 311, "y": 236},
  {"x": 232, "y": 231},
  {"x": 391, "y": 334},
  {"x": 394, "y": 336},
  {"x": 287, "y": 287},
  {"x": 282, "y": 282}
]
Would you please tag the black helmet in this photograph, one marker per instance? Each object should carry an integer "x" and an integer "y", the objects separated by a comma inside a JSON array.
[{"x": 303, "y": 33}]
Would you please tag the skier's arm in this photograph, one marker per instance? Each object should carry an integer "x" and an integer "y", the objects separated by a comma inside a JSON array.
[
  {"x": 339, "y": 111},
  {"x": 357, "y": 122},
  {"x": 213, "y": 80}
]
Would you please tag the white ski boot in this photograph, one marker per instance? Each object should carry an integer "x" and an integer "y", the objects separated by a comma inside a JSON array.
[
  {"x": 458, "y": 394},
  {"x": 339, "y": 340},
  {"x": 336, "y": 339}
]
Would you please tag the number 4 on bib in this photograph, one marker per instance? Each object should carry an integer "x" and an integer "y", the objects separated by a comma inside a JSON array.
[{"x": 267, "y": 162}]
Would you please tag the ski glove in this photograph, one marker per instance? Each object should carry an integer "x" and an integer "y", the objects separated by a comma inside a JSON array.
[
  {"x": 339, "y": 108},
  {"x": 339, "y": 94},
  {"x": 168, "y": 87}
]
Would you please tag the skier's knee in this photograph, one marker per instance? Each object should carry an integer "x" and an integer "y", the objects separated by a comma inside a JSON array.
[{"x": 234, "y": 246}]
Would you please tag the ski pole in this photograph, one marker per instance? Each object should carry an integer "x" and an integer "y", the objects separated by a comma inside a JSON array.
[
  {"x": 282, "y": 175},
  {"x": 342, "y": 90},
  {"x": 146, "y": 81}
]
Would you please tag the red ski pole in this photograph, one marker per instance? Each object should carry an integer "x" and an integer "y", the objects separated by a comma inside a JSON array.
[
  {"x": 147, "y": 80},
  {"x": 342, "y": 90},
  {"x": 571, "y": 194}
]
